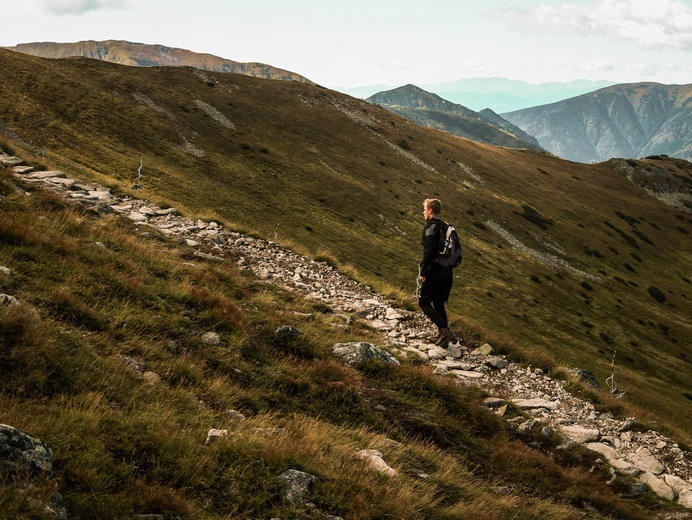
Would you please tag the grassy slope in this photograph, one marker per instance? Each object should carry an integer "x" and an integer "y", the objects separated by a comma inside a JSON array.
[
  {"x": 124, "y": 447},
  {"x": 316, "y": 168}
]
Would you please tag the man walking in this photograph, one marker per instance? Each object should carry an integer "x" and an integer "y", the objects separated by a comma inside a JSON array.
[{"x": 436, "y": 280}]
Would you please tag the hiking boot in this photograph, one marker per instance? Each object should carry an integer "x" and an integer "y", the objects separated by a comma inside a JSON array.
[
  {"x": 434, "y": 339},
  {"x": 446, "y": 337}
]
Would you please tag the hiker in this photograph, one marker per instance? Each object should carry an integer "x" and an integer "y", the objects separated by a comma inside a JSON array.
[{"x": 436, "y": 280}]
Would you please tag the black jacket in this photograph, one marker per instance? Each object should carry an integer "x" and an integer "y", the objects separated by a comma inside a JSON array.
[{"x": 431, "y": 245}]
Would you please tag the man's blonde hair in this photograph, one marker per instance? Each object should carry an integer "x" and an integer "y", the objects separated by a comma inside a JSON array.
[{"x": 433, "y": 204}]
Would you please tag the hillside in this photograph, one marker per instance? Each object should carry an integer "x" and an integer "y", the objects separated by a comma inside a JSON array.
[
  {"x": 144, "y": 55},
  {"x": 431, "y": 110},
  {"x": 572, "y": 260},
  {"x": 135, "y": 329},
  {"x": 629, "y": 120}
]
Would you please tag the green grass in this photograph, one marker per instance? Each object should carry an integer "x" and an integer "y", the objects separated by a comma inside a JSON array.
[{"x": 123, "y": 446}]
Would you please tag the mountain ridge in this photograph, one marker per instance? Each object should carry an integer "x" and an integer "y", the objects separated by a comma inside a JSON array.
[
  {"x": 431, "y": 110},
  {"x": 153, "y": 55},
  {"x": 498, "y": 94},
  {"x": 629, "y": 120}
]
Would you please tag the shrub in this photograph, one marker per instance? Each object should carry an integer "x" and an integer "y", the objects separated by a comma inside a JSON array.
[
  {"x": 656, "y": 294},
  {"x": 534, "y": 217}
]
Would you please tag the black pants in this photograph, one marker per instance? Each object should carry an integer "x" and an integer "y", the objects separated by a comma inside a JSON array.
[{"x": 434, "y": 294}]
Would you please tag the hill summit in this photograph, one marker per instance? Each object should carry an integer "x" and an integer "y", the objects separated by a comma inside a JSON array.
[
  {"x": 145, "y": 55},
  {"x": 431, "y": 110}
]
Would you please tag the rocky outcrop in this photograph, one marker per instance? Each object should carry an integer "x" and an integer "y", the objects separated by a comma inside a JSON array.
[
  {"x": 544, "y": 402},
  {"x": 25, "y": 462}
]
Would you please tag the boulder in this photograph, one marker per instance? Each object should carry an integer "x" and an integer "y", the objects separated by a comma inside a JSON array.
[
  {"x": 685, "y": 498},
  {"x": 656, "y": 485},
  {"x": 359, "y": 351},
  {"x": 6, "y": 271},
  {"x": 23, "y": 456},
  {"x": 645, "y": 460},
  {"x": 679, "y": 485},
  {"x": 295, "y": 485},
  {"x": 609, "y": 453},
  {"x": 376, "y": 462}
]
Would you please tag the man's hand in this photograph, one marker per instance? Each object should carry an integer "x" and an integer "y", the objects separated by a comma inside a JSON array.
[{"x": 421, "y": 278}]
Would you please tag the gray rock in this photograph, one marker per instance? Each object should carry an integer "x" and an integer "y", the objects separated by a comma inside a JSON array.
[
  {"x": 580, "y": 434},
  {"x": 609, "y": 453},
  {"x": 45, "y": 175},
  {"x": 656, "y": 485},
  {"x": 6, "y": 271},
  {"x": 358, "y": 351},
  {"x": 136, "y": 216},
  {"x": 677, "y": 484},
  {"x": 23, "y": 456},
  {"x": 9, "y": 160},
  {"x": 483, "y": 350},
  {"x": 467, "y": 374},
  {"x": 211, "y": 338},
  {"x": 496, "y": 362},
  {"x": 685, "y": 498},
  {"x": 214, "y": 435},
  {"x": 376, "y": 462},
  {"x": 586, "y": 377},
  {"x": 645, "y": 460},
  {"x": 528, "y": 404},
  {"x": 296, "y": 485},
  {"x": 7, "y": 300}
]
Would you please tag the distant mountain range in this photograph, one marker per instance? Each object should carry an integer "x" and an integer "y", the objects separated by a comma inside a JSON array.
[
  {"x": 498, "y": 94},
  {"x": 431, "y": 110},
  {"x": 628, "y": 120},
  {"x": 144, "y": 55}
]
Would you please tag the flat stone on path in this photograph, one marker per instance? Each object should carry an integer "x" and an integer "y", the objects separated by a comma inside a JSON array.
[
  {"x": 580, "y": 434},
  {"x": 609, "y": 453},
  {"x": 656, "y": 485},
  {"x": 528, "y": 404},
  {"x": 645, "y": 460}
]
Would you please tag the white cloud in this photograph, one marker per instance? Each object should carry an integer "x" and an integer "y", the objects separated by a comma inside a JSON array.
[
  {"x": 77, "y": 7},
  {"x": 659, "y": 24}
]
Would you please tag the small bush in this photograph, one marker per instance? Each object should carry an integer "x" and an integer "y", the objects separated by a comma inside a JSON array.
[
  {"x": 656, "y": 294},
  {"x": 536, "y": 218}
]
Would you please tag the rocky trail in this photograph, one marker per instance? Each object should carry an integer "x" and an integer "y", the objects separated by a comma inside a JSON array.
[{"x": 657, "y": 462}]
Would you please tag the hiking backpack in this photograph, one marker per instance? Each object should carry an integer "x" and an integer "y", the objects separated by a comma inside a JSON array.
[{"x": 450, "y": 253}]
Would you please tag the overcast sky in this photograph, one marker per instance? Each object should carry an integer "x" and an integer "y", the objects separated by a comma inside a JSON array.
[{"x": 366, "y": 42}]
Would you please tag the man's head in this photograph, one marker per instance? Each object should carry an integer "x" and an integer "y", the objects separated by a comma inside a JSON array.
[{"x": 431, "y": 208}]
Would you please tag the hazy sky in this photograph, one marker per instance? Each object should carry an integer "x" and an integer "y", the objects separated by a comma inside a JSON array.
[{"x": 365, "y": 42}]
